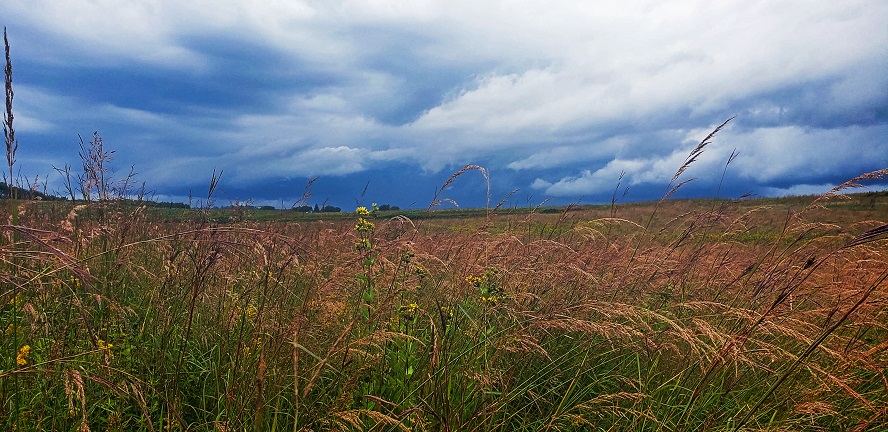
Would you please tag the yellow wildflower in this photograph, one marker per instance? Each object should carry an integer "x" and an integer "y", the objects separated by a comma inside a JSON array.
[
  {"x": 409, "y": 311},
  {"x": 364, "y": 225},
  {"x": 474, "y": 280},
  {"x": 104, "y": 346},
  {"x": 362, "y": 211},
  {"x": 489, "y": 299},
  {"x": 23, "y": 353},
  {"x": 253, "y": 346},
  {"x": 251, "y": 312}
]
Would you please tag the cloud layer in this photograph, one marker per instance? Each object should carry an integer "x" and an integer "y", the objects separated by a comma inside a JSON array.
[{"x": 558, "y": 100}]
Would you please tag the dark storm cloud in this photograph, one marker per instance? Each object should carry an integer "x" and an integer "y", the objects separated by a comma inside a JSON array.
[{"x": 557, "y": 101}]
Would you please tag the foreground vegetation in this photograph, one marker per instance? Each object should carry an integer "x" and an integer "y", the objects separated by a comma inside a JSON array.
[{"x": 685, "y": 315}]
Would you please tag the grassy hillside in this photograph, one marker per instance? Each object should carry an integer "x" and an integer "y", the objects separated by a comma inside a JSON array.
[{"x": 679, "y": 315}]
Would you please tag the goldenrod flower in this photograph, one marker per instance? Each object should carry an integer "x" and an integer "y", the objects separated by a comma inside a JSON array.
[
  {"x": 364, "y": 225},
  {"x": 105, "y": 347},
  {"x": 251, "y": 312},
  {"x": 489, "y": 299},
  {"x": 409, "y": 311},
  {"x": 474, "y": 280},
  {"x": 23, "y": 353}
]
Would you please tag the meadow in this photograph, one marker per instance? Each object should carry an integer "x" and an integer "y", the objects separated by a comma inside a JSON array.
[{"x": 716, "y": 315}]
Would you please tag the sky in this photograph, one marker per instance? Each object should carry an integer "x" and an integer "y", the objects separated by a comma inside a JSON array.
[{"x": 382, "y": 100}]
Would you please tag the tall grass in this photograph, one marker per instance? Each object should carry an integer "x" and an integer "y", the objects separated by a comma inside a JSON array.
[
  {"x": 693, "y": 320},
  {"x": 8, "y": 116}
]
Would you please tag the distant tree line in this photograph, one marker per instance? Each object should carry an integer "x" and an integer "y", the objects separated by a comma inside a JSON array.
[
  {"x": 25, "y": 194},
  {"x": 333, "y": 209},
  {"x": 31, "y": 194},
  {"x": 163, "y": 204},
  {"x": 317, "y": 209}
]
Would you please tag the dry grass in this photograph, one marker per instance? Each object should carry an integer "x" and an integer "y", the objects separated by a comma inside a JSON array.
[{"x": 691, "y": 322}]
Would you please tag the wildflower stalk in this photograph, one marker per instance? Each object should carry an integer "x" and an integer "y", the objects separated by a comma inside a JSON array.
[{"x": 365, "y": 229}]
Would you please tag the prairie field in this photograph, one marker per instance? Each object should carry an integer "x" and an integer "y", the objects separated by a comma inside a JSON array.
[{"x": 676, "y": 315}]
